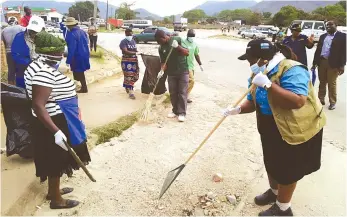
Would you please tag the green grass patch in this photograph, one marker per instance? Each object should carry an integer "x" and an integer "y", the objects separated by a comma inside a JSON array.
[
  {"x": 224, "y": 36},
  {"x": 116, "y": 128},
  {"x": 4, "y": 76},
  {"x": 167, "y": 100}
]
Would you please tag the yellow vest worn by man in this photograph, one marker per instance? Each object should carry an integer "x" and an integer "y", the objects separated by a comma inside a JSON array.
[{"x": 297, "y": 126}]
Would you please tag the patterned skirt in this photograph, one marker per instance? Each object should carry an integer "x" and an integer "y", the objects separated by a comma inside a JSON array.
[{"x": 130, "y": 67}]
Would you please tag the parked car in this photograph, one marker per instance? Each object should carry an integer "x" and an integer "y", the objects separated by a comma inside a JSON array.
[
  {"x": 248, "y": 33},
  {"x": 147, "y": 35},
  {"x": 241, "y": 30}
]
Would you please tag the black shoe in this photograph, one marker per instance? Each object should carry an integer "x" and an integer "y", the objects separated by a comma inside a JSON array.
[
  {"x": 332, "y": 106},
  {"x": 189, "y": 101},
  {"x": 322, "y": 102},
  {"x": 274, "y": 210},
  {"x": 265, "y": 199},
  {"x": 82, "y": 91}
]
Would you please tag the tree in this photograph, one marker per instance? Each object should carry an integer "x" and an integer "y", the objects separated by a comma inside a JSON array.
[
  {"x": 82, "y": 10},
  {"x": 267, "y": 15},
  {"x": 211, "y": 20},
  {"x": 166, "y": 20},
  {"x": 285, "y": 16},
  {"x": 255, "y": 19},
  {"x": 124, "y": 12},
  {"x": 343, "y": 4},
  {"x": 331, "y": 12},
  {"x": 194, "y": 15}
]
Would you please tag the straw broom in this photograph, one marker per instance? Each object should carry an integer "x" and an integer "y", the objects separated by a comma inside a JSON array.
[{"x": 146, "y": 111}]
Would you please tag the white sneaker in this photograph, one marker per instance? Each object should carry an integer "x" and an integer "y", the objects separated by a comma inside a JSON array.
[
  {"x": 181, "y": 118},
  {"x": 171, "y": 115}
]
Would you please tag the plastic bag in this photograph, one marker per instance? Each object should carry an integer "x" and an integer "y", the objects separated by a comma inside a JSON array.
[
  {"x": 153, "y": 66},
  {"x": 17, "y": 114}
]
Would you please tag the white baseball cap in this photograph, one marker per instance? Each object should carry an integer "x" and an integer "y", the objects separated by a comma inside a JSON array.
[{"x": 36, "y": 24}]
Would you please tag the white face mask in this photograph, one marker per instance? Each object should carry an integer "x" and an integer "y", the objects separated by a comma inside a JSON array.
[
  {"x": 190, "y": 39},
  {"x": 129, "y": 38},
  {"x": 256, "y": 69}
]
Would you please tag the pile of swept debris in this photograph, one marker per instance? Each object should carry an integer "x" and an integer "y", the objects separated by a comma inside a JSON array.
[{"x": 211, "y": 204}]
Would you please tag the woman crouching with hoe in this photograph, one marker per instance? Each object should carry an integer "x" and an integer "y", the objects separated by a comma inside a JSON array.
[
  {"x": 290, "y": 121},
  {"x": 56, "y": 119}
]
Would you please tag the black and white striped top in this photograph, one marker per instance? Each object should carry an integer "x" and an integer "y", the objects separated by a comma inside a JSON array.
[{"x": 41, "y": 74}]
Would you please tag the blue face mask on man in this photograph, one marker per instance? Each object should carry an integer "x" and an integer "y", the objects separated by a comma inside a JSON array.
[{"x": 255, "y": 68}]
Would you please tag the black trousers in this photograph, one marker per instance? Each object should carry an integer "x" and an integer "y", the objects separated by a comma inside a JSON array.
[
  {"x": 93, "y": 42},
  {"x": 79, "y": 76}
]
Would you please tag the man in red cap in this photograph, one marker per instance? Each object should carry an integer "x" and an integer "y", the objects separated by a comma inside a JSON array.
[{"x": 26, "y": 18}]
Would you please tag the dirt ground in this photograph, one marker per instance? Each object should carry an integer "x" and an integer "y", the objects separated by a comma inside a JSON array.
[{"x": 131, "y": 169}]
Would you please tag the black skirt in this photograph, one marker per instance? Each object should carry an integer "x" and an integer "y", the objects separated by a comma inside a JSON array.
[
  {"x": 284, "y": 162},
  {"x": 50, "y": 159}
]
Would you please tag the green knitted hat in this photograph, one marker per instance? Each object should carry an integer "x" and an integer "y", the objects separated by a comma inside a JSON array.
[{"x": 49, "y": 44}]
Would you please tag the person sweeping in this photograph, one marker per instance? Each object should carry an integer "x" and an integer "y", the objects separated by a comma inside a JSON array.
[
  {"x": 290, "y": 121},
  {"x": 193, "y": 55},
  {"x": 130, "y": 64},
  {"x": 177, "y": 71},
  {"x": 56, "y": 120}
]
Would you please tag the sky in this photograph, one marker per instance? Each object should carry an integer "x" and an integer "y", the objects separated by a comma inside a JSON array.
[{"x": 159, "y": 7}]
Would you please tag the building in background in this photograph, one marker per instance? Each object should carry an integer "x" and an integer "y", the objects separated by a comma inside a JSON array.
[{"x": 47, "y": 14}]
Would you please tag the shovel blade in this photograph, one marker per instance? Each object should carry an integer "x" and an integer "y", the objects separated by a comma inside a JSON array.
[{"x": 170, "y": 178}]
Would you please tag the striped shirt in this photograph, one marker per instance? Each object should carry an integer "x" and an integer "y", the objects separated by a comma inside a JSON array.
[{"x": 41, "y": 74}]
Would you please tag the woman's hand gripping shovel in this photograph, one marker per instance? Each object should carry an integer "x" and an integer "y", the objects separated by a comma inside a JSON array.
[
  {"x": 79, "y": 162},
  {"x": 173, "y": 174},
  {"x": 148, "y": 105}
]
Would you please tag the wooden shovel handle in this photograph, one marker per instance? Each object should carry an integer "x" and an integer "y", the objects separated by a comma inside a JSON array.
[
  {"x": 218, "y": 124},
  {"x": 221, "y": 120},
  {"x": 79, "y": 162}
]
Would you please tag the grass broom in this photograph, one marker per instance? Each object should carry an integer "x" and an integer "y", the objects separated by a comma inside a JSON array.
[{"x": 146, "y": 111}]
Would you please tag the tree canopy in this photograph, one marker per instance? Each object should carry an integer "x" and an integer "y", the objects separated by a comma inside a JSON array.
[
  {"x": 124, "y": 12},
  {"x": 194, "y": 15},
  {"x": 85, "y": 10}
]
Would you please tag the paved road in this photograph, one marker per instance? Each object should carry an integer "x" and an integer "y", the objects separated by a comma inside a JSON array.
[{"x": 224, "y": 70}]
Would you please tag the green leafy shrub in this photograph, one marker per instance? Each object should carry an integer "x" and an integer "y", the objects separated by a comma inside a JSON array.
[{"x": 48, "y": 43}]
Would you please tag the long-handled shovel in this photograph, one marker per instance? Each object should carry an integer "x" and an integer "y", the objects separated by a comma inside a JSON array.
[
  {"x": 172, "y": 175},
  {"x": 79, "y": 162},
  {"x": 146, "y": 110}
]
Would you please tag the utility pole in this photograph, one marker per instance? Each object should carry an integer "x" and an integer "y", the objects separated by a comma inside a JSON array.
[
  {"x": 95, "y": 8},
  {"x": 106, "y": 15}
]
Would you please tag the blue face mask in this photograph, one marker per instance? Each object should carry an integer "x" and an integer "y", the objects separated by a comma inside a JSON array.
[{"x": 256, "y": 69}]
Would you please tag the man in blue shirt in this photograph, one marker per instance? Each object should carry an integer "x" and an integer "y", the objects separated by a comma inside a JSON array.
[{"x": 298, "y": 43}]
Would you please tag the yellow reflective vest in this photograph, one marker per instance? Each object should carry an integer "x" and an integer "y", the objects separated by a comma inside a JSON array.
[{"x": 296, "y": 126}]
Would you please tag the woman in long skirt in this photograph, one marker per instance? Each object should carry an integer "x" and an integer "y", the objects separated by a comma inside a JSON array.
[
  {"x": 129, "y": 63},
  {"x": 56, "y": 121}
]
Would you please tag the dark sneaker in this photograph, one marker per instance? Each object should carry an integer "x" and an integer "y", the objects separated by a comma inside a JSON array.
[
  {"x": 332, "y": 106},
  {"x": 189, "y": 101},
  {"x": 274, "y": 210},
  {"x": 82, "y": 91},
  {"x": 265, "y": 199}
]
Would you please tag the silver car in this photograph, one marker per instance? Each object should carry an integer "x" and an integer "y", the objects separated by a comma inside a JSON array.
[{"x": 252, "y": 33}]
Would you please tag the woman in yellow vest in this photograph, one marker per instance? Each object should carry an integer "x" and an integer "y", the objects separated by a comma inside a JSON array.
[{"x": 290, "y": 121}]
